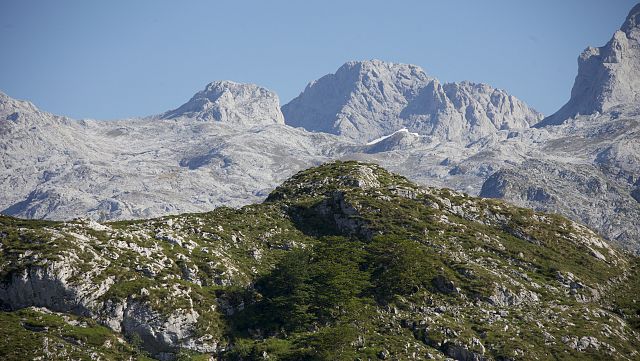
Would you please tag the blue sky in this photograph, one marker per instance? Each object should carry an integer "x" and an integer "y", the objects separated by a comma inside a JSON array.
[{"x": 116, "y": 59}]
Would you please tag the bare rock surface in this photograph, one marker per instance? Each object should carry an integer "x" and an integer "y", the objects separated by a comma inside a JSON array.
[
  {"x": 369, "y": 99},
  {"x": 233, "y": 103},
  {"x": 608, "y": 76}
]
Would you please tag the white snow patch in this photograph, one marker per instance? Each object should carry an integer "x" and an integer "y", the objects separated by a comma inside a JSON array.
[{"x": 403, "y": 130}]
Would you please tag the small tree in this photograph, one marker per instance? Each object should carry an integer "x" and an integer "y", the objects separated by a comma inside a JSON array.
[
  {"x": 287, "y": 292},
  {"x": 313, "y": 286},
  {"x": 337, "y": 277},
  {"x": 396, "y": 267}
]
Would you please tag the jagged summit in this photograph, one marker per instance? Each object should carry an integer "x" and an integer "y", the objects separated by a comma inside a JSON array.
[
  {"x": 365, "y": 100},
  {"x": 231, "y": 102},
  {"x": 353, "y": 99},
  {"x": 608, "y": 76},
  {"x": 9, "y": 105},
  {"x": 631, "y": 25},
  {"x": 23, "y": 114}
]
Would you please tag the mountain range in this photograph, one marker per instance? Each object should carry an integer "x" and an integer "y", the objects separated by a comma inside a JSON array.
[
  {"x": 379, "y": 215},
  {"x": 232, "y": 143}
]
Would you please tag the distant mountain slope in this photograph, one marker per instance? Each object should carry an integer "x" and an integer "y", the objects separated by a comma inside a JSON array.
[
  {"x": 368, "y": 99},
  {"x": 228, "y": 146},
  {"x": 344, "y": 261},
  {"x": 58, "y": 168},
  {"x": 233, "y": 103}
]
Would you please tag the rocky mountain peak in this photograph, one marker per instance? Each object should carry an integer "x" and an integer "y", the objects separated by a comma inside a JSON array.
[
  {"x": 231, "y": 102},
  {"x": 369, "y": 70},
  {"x": 608, "y": 76},
  {"x": 23, "y": 114},
  {"x": 10, "y": 108},
  {"x": 366, "y": 100},
  {"x": 3, "y": 97},
  {"x": 359, "y": 100},
  {"x": 631, "y": 26}
]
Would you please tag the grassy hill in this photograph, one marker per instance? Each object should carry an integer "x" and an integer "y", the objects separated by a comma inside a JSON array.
[{"x": 345, "y": 261}]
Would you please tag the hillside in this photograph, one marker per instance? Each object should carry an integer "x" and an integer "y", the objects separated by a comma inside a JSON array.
[{"x": 344, "y": 261}]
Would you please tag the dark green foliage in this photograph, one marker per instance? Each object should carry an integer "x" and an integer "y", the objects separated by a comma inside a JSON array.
[
  {"x": 248, "y": 350},
  {"x": 287, "y": 293},
  {"x": 397, "y": 266},
  {"x": 311, "y": 287},
  {"x": 337, "y": 277},
  {"x": 330, "y": 343}
]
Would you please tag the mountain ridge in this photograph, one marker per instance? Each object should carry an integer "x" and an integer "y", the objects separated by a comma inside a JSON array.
[
  {"x": 233, "y": 149},
  {"x": 364, "y": 100}
]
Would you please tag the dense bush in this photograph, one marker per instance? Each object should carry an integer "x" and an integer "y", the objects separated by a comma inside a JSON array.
[
  {"x": 397, "y": 266},
  {"x": 311, "y": 287}
]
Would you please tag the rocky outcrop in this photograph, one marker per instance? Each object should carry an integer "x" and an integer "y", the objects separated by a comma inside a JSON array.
[
  {"x": 233, "y": 103},
  {"x": 159, "y": 333},
  {"x": 47, "y": 286},
  {"x": 52, "y": 287},
  {"x": 461, "y": 353},
  {"x": 80, "y": 281},
  {"x": 504, "y": 297},
  {"x": 11, "y": 109},
  {"x": 608, "y": 76},
  {"x": 369, "y": 99}
]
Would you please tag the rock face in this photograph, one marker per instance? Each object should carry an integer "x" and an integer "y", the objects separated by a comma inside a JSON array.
[
  {"x": 608, "y": 76},
  {"x": 415, "y": 273},
  {"x": 361, "y": 100},
  {"x": 233, "y": 103},
  {"x": 369, "y": 99},
  {"x": 11, "y": 109},
  {"x": 18, "y": 115}
]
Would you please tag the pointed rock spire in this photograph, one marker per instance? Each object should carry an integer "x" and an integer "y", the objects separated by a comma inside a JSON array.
[{"x": 608, "y": 76}]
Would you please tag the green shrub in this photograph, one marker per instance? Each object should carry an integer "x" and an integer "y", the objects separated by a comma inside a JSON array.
[{"x": 397, "y": 266}]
